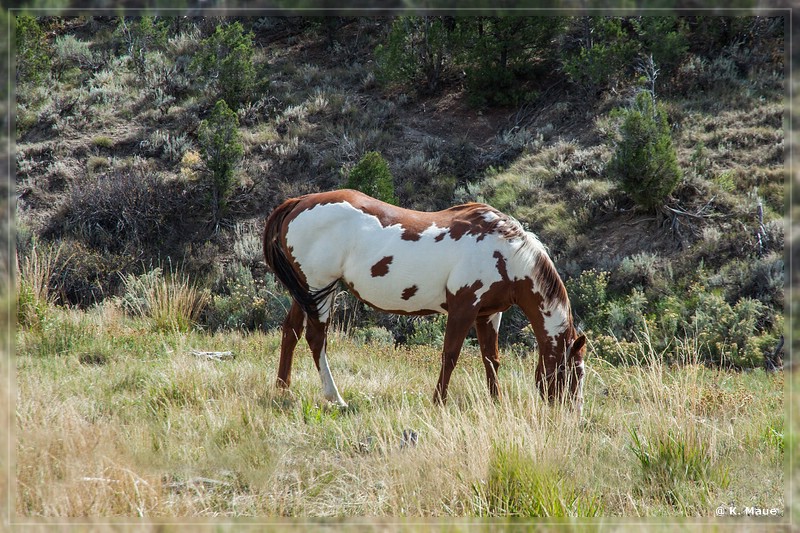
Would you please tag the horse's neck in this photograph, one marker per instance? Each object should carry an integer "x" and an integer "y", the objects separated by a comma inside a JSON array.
[{"x": 550, "y": 319}]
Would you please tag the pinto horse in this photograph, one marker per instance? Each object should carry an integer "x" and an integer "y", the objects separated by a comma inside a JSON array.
[{"x": 471, "y": 262}]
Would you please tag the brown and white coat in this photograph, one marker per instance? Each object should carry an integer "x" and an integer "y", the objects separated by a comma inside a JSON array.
[{"x": 471, "y": 262}]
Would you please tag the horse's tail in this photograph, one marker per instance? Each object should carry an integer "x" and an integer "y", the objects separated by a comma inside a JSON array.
[{"x": 278, "y": 262}]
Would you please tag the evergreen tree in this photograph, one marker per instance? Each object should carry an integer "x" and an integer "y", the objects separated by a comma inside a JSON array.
[
  {"x": 227, "y": 57},
  {"x": 33, "y": 55},
  {"x": 372, "y": 176},
  {"x": 645, "y": 162},
  {"x": 222, "y": 150}
]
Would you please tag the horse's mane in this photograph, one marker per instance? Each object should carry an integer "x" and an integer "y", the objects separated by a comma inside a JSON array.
[{"x": 534, "y": 253}]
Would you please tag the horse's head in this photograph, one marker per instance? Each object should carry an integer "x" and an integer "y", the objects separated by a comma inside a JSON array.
[{"x": 561, "y": 372}]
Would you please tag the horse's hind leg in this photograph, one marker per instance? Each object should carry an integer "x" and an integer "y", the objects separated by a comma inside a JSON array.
[
  {"x": 316, "y": 335},
  {"x": 487, "y": 328},
  {"x": 292, "y": 329}
]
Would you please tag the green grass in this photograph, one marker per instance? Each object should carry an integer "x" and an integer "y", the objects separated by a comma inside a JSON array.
[{"x": 142, "y": 427}]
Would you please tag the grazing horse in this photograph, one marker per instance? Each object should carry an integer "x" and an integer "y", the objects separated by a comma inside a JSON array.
[{"x": 470, "y": 261}]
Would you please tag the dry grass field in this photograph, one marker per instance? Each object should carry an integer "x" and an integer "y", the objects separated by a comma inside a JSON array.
[{"x": 115, "y": 418}]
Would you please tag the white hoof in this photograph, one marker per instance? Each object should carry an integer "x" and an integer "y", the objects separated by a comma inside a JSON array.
[{"x": 338, "y": 401}]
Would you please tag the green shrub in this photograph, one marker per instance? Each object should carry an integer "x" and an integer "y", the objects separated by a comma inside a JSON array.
[
  {"x": 227, "y": 57},
  {"x": 600, "y": 59},
  {"x": 414, "y": 53},
  {"x": 373, "y": 335},
  {"x": 726, "y": 333},
  {"x": 518, "y": 486},
  {"x": 245, "y": 303},
  {"x": 499, "y": 55},
  {"x": 102, "y": 141},
  {"x": 428, "y": 331},
  {"x": 667, "y": 40},
  {"x": 371, "y": 175},
  {"x": 587, "y": 295},
  {"x": 222, "y": 150},
  {"x": 32, "y": 50},
  {"x": 615, "y": 350},
  {"x": 645, "y": 162}
]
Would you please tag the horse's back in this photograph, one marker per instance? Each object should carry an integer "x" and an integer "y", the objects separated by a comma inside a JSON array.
[{"x": 394, "y": 258}]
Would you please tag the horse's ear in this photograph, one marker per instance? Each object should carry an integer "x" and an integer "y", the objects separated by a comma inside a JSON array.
[{"x": 577, "y": 345}]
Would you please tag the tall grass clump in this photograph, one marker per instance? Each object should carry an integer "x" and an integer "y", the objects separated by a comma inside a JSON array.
[
  {"x": 673, "y": 464},
  {"x": 518, "y": 486},
  {"x": 171, "y": 302},
  {"x": 34, "y": 294}
]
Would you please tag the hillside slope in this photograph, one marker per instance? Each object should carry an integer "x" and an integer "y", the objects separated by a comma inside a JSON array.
[{"x": 110, "y": 171}]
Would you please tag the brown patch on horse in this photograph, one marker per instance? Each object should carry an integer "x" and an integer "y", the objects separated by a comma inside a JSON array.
[
  {"x": 471, "y": 223},
  {"x": 501, "y": 265},
  {"x": 474, "y": 222},
  {"x": 420, "y": 312},
  {"x": 409, "y": 292},
  {"x": 441, "y": 236},
  {"x": 381, "y": 268},
  {"x": 465, "y": 293}
]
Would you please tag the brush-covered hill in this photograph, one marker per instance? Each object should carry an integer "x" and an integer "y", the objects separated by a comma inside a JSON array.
[{"x": 115, "y": 180}]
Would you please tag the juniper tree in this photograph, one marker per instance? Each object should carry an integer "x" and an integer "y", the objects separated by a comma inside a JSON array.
[
  {"x": 222, "y": 150},
  {"x": 372, "y": 176},
  {"x": 645, "y": 162}
]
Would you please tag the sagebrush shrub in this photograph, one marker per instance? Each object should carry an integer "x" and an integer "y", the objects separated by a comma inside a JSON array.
[
  {"x": 140, "y": 36},
  {"x": 638, "y": 270},
  {"x": 626, "y": 316},
  {"x": 73, "y": 53},
  {"x": 245, "y": 303},
  {"x": 645, "y": 162},
  {"x": 588, "y": 298}
]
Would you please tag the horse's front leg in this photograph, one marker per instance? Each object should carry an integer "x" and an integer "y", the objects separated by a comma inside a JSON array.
[
  {"x": 458, "y": 325},
  {"x": 317, "y": 337},
  {"x": 487, "y": 328}
]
